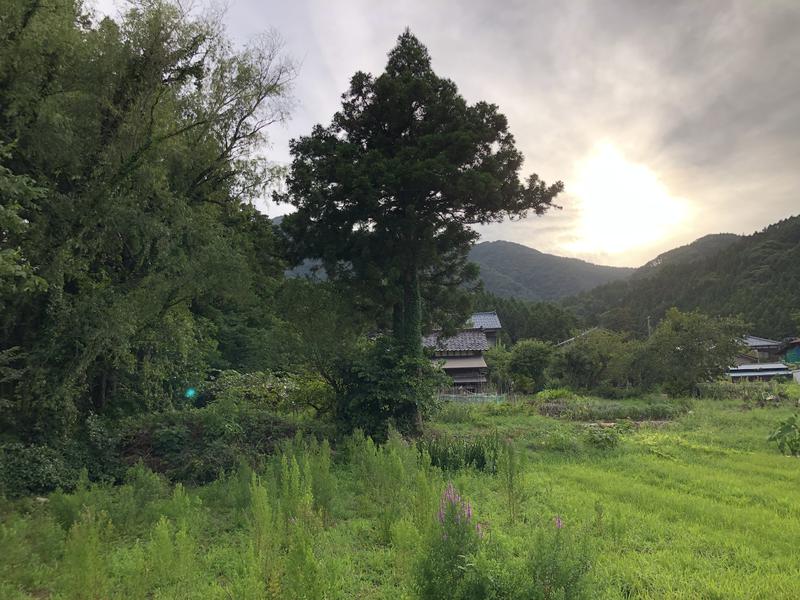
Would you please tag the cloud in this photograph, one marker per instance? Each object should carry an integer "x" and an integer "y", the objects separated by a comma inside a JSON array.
[{"x": 705, "y": 94}]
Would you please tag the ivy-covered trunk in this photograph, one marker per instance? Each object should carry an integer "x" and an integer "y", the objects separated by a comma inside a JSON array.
[{"x": 408, "y": 316}]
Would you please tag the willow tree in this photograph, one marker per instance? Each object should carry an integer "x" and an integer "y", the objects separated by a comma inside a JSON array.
[{"x": 386, "y": 194}]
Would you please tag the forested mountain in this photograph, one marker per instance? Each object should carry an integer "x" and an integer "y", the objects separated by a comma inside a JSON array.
[
  {"x": 523, "y": 319},
  {"x": 515, "y": 271},
  {"x": 699, "y": 249},
  {"x": 757, "y": 277}
]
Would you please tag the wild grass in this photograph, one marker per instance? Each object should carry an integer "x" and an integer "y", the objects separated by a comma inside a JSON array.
[{"x": 702, "y": 506}]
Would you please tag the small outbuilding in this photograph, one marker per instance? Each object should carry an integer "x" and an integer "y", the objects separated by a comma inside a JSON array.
[
  {"x": 760, "y": 372},
  {"x": 758, "y": 349}
]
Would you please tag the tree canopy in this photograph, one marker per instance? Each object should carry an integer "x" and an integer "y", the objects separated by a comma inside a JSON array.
[
  {"x": 387, "y": 192},
  {"x": 132, "y": 257}
]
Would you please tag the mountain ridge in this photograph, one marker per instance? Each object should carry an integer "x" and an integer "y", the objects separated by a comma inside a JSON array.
[
  {"x": 756, "y": 277},
  {"x": 513, "y": 270}
]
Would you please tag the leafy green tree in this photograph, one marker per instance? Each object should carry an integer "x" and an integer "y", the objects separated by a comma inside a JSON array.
[
  {"x": 321, "y": 329},
  {"x": 17, "y": 192},
  {"x": 688, "y": 348},
  {"x": 127, "y": 150},
  {"x": 497, "y": 359},
  {"x": 383, "y": 386},
  {"x": 386, "y": 194},
  {"x": 528, "y": 362},
  {"x": 600, "y": 361}
]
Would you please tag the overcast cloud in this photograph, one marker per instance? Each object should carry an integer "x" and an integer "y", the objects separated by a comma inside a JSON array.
[{"x": 706, "y": 95}]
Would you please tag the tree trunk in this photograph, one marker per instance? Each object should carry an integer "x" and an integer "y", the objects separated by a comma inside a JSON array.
[{"x": 408, "y": 316}]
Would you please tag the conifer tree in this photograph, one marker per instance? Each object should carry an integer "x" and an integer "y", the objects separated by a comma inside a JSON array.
[{"x": 386, "y": 194}]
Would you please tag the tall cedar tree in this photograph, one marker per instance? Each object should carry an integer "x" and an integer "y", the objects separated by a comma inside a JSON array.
[{"x": 385, "y": 195}]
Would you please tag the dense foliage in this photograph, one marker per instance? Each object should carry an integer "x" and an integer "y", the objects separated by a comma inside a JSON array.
[
  {"x": 685, "y": 350},
  {"x": 132, "y": 257},
  {"x": 756, "y": 277},
  {"x": 522, "y": 319}
]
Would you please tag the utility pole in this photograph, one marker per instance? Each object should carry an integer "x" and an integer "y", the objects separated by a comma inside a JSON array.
[{"x": 649, "y": 329}]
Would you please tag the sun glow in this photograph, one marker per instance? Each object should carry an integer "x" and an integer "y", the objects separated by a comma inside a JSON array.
[{"x": 622, "y": 205}]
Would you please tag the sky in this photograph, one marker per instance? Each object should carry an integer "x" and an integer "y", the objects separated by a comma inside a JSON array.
[{"x": 666, "y": 120}]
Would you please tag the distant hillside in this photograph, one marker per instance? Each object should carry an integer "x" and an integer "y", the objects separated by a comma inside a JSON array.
[
  {"x": 756, "y": 276},
  {"x": 700, "y": 248},
  {"x": 515, "y": 271}
]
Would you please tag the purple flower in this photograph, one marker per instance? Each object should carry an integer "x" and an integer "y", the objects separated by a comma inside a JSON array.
[{"x": 558, "y": 522}]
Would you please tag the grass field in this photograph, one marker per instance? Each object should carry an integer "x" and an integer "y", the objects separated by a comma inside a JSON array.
[{"x": 698, "y": 507}]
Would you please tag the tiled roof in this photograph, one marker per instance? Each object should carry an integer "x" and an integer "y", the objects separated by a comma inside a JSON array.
[
  {"x": 462, "y": 341},
  {"x": 484, "y": 320}
]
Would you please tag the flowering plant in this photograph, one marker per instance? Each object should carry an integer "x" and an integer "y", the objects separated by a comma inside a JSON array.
[
  {"x": 447, "y": 565},
  {"x": 455, "y": 516}
]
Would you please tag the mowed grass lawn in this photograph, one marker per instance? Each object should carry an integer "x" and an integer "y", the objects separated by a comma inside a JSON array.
[{"x": 701, "y": 507}]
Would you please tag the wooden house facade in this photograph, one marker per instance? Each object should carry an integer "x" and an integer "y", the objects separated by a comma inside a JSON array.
[{"x": 461, "y": 355}]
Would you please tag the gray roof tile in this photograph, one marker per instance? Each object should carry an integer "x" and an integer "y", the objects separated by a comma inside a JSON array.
[
  {"x": 484, "y": 320},
  {"x": 462, "y": 341}
]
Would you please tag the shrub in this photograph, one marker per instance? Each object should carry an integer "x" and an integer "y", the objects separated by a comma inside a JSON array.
[
  {"x": 787, "y": 436},
  {"x": 557, "y": 566},
  {"x": 257, "y": 389},
  {"x": 688, "y": 348},
  {"x": 498, "y": 358},
  {"x": 452, "y": 453},
  {"x": 34, "y": 469},
  {"x": 757, "y": 393},
  {"x": 384, "y": 387},
  {"x": 585, "y": 409},
  {"x": 556, "y": 394},
  {"x": 599, "y": 359},
  {"x": 197, "y": 445},
  {"x": 395, "y": 466},
  {"x": 527, "y": 364},
  {"x": 455, "y": 412},
  {"x": 84, "y": 568},
  {"x": 603, "y": 438},
  {"x": 446, "y": 564}
]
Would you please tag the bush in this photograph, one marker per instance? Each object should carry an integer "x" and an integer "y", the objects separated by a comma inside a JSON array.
[
  {"x": 598, "y": 360},
  {"x": 557, "y": 567},
  {"x": 689, "y": 348},
  {"x": 603, "y": 438},
  {"x": 197, "y": 445},
  {"x": 451, "y": 453},
  {"x": 257, "y": 389},
  {"x": 384, "y": 387},
  {"x": 586, "y": 409},
  {"x": 527, "y": 364},
  {"x": 753, "y": 393},
  {"x": 446, "y": 569},
  {"x": 787, "y": 436},
  {"x": 455, "y": 412},
  {"x": 34, "y": 469}
]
